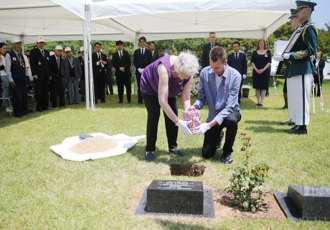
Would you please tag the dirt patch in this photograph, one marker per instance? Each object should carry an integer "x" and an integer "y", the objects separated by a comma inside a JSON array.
[
  {"x": 187, "y": 170},
  {"x": 224, "y": 208},
  {"x": 93, "y": 145}
]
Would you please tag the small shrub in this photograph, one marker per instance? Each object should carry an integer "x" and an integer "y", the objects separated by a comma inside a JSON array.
[{"x": 247, "y": 180}]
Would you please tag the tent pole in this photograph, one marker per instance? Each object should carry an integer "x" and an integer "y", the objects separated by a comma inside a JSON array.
[
  {"x": 86, "y": 61},
  {"x": 92, "y": 93}
]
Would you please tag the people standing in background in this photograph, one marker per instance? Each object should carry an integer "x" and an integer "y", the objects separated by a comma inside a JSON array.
[
  {"x": 237, "y": 60},
  {"x": 261, "y": 60},
  {"x": 161, "y": 52},
  {"x": 170, "y": 51},
  {"x": 199, "y": 56},
  {"x": 100, "y": 63},
  {"x": 108, "y": 76},
  {"x": 142, "y": 58},
  {"x": 16, "y": 74},
  {"x": 121, "y": 61},
  {"x": 72, "y": 73},
  {"x": 82, "y": 80},
  {"x": 154, "y": 53},
  {"x": 318, "y": 77},
  {"x": 39, "y": 62},
  {"x": 3, "y": 51},
  {"x": 56, "y": 79},
  {"x": 207, "y": 48}
]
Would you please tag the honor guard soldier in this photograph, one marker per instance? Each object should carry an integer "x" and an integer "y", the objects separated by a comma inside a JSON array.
[
  {"x": 300, "y": 68},
  {"x": 16, "y": 74}
]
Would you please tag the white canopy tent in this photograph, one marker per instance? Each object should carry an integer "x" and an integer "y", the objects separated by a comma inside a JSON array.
[{"x": 129, "y": 19}]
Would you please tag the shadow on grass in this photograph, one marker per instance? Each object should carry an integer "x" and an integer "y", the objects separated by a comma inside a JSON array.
[
  {"x": 262, "y": 122},
  {"x": 166, "y": 224},
  {"x": 267, "y": 129},
  {"x": 192, "y": 156}
]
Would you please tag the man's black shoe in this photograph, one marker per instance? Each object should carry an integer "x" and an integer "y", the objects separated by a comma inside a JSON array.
[
  {"x": 300, "y": 130},
  {"x": 292, "y": 129},
  {"x": 284, "y": 107},
  {"x": 177, "y": 151},
  {"x": 288, "y": 123},
  {"x": 149, "y": 156},
  {"x": 227, "y": 158}
]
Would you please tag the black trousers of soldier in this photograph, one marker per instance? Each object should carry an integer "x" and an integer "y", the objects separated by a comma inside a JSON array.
[
  {"x": 19, "y": 96},
  {"x": 41, "y": 88}
]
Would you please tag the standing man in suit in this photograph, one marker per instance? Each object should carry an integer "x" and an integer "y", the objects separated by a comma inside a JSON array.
[
  {"x": 56, "y": 78},
  {"x": 121, "y": 61},
  {"x": 16, "y": 74},
  {"x": 207, "y": 48},
  {"x": 142, "y": 57},
  {"x": 72, "y": 73},
  {"x": 39, "y": 62},
  {"x": 318, "y": 77},
  {"x": 237, "y": 60},
  {"x": 154, "y": 53},
  {"x": 82, "y": 79},
  {"x": 109, "y": 76},
  {"x": 99, "y": 71},
  {"x": 161, "y": 52},
  {"x": 200, "y": 55}
]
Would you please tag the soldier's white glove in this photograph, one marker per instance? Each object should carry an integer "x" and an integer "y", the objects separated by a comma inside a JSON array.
[
  {"x": 244, "y": 76},
  {"x": 183, "y": 125},
  {"x": 278, "y": 57},
  {"x": 202, "y": 128},
  {"x": 286, "y": 56}
]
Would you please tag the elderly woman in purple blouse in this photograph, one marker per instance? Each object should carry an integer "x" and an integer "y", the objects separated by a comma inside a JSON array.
[{"x": 160, "y": 84}]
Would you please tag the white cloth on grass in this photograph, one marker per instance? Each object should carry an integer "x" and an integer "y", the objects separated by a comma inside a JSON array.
[{"x": 124, "y": 143}]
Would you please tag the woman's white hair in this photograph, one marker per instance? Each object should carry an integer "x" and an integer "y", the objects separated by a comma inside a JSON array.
[{"x": 186, "y": 63}]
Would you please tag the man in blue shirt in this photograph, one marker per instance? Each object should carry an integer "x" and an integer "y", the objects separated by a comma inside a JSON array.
[{"x": 219, "y": 86}]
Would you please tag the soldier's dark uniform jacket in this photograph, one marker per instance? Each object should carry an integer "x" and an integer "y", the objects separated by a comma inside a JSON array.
[{"x": 300, "y": 61}]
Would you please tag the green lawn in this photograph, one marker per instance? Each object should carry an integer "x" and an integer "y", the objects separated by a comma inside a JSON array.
[{"x": 40, "y": 190}]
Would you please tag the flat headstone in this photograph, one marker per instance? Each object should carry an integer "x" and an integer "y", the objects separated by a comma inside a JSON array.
[
  {"x": 311, "y": 202},
  {"x": 185, "y": 197}
]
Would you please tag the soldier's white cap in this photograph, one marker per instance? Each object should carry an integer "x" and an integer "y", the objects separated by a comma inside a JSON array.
[
  {"x": 67, "y": 49},
  {"x": 16, "y": 40},
  {"x": 59, "y": 48},
  {"x": 40, "y": 39},
  {"x": 81, "y": 49}
]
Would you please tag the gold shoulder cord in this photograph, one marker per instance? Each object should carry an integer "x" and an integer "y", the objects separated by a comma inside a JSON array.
[{"x": 302, "y": 54}]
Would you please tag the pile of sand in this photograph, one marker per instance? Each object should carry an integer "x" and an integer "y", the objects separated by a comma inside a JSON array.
[{"x": 93, "y": 145}]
